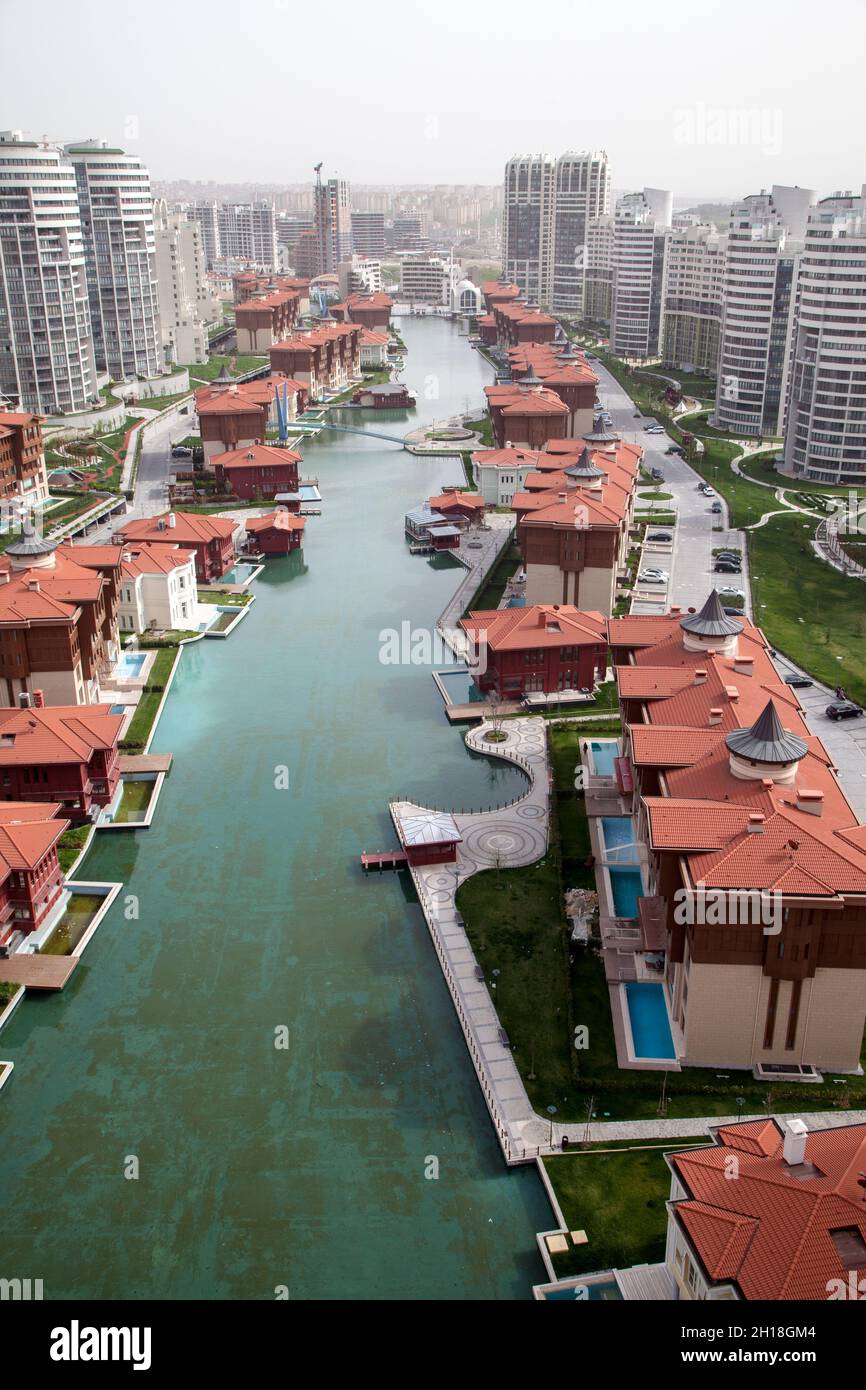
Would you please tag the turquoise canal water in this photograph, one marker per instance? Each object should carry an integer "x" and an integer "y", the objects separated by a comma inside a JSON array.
[{"x": 261, "y": 1167}]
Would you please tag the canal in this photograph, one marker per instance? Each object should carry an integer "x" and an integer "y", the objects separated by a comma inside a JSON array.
[{"x": 306, "y": 1165}]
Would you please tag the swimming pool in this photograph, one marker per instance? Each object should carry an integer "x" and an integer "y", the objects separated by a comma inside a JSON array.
[
  {"x": 585, "y": 1291},
  {"x": 459, "y": 686},
  {"x": 619, "y": 839},
  {"x": 648, "y": 1016},
  {"x": 129, "y": 665},
  {"x": 603, "y": 754},
  {"x": 239, "y": 573},
  {"x": 626, "y": 886},
  {"x": 117, "y": 709}
]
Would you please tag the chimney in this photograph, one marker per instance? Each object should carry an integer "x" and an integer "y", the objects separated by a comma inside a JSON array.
[
  {"x": 756, "y": 823},
  {"x": 732, "y": 693},
  {"x": 39, "y": 699},
  {"x": 715, "y": 716},
  {"x": 675, "y": 609},
  {"x": 794, "y": 1149},
  {"x": 33, "y": 585},
  {"x": 4, "y": 576},
  {"x": 744, "y": 665},
  {"x": 562, "y": 497},
  {"x": 700, "y": 674},
  {"x": 810, "y": 801},
  {"x": 24, "y": 700}
]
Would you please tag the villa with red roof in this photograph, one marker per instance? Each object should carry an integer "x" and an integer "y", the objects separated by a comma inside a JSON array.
[
  {"x": 276, "y": 533},
  {"x": 522, "y": 415},
  {"x": 31, "y": 879},
  {"x": 457, "y": 506},
  {"x": 574, "y": 515},
  {"x": 257, "y": 471},
  {"x": 266, "y": 318},
  {"x": 325, "y": 359},
  {"x": 234, "y": 414},
  {"x": 211, "y": 538},
  {"x": 58, "y": 620},
  {"x": 789, "y": 1225},
  {"x": 65, "y": 753},
  {"x": 545, "y": 647},
  {"x": 563, "y": 370},
  {"x": 754, "y": 863},
  {"x": 22, "y": 458},
  {"x": 374, "y": 348},
  {"x": 158, "y": 590},
  {"x": 499, "y": 473},
  {"x": 372, "y": 310}
]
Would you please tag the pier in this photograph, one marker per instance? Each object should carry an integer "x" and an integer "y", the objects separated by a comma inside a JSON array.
[{"x": 389, "y": 859}]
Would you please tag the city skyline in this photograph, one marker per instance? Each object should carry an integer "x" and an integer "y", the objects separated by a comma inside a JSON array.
[{"x": 734, "y": 127}]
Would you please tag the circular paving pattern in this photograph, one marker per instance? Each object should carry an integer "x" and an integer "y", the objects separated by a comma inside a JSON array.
[
  {"x": 530, "y": 811},
  {"x": 513, "y": 843}
]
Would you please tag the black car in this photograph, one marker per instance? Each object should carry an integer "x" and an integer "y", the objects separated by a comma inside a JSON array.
[
  {"x": 798, "y": 682},
  {"x": 843, "y": 709},
  {"x": 657, "y": 475},
  {"x": 729, "y": 555},
  {"x": 180, "y": 451},
  {"x": 728, "y": 567},
  {"x": 637, "y": 415},
  {"x": 664, "y": 536},
  {"x": 732, "y": 612}
]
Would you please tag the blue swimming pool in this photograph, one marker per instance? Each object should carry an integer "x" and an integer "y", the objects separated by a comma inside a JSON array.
[
  {"x": 603, "y": 755},
  {"x": 117, "y": 709},
  {"x": 619, "y": 839},
  {"x": 626, "y": 887},
  {"x": 129, "y": 665},
  {"x": 648, "y": 1016},
  {"x": 239, "y": 573},
  {"x": 592, "y": 1291}
]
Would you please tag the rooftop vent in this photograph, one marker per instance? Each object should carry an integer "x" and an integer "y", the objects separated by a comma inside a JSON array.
[{"x": 794, "y": 1150}]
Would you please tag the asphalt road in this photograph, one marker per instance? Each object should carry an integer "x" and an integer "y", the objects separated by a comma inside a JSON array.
[
  {"x": 151, "y": 486},
  {"x": 690, "y": 564}
]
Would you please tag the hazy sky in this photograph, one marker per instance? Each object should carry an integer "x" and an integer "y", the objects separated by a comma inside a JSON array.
[{"x": 709, "y": 97}]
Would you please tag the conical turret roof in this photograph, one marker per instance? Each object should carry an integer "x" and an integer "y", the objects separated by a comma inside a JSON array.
[
  {"x": 766, "y": 741},
  {"x": 712, "y": 621},
  {"x": 585, "y": 467},
  {"x": 601, "y": 434}
]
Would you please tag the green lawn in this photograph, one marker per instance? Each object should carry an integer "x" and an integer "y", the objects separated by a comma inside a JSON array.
[
  {"x": 69, "y": 845},
  {"x": 619, "y": 1200},
  {"x": 484, "y": 428},
  {"x": 493, "y": 587},
  {"x": 142, "y": 721},
  {"x": 237, "y": 365},
  {"x": 819, "y": 621}
]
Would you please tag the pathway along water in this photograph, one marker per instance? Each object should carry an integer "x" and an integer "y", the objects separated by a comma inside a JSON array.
[{"x": 260, "y": 1167}]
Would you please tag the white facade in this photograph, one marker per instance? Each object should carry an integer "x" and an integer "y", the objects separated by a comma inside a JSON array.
[
  {"x": 598, "y": 281},
  {"x": 825, "y": 435},
  {"x": 498, "y": 482},
  {"x": 764, "y": 243},
  {"x": 186, "y": 302},
  {"x": 333, "y": 224},
  {"x": 466, "y": 298},
  {"x": 581, "y": 193},
  {"x": 116, "y": 208},
  {"x": 359, "y": 275},
  {"x": 368, "y": 234},
  {"x": 527, "y": 229},
  {"x": 692, "y": 296},
  {"x": 639, "y": 243},
  {"x": 207, "y": 217},
  {"x": 248, "y": 234},
  {"x": 428, "y": 279},
  {"x": 46, "y": 349},
  {"x": 158, "y": 593}
]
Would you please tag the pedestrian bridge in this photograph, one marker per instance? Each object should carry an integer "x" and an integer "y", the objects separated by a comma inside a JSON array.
[{"x": 314, "y": 426}]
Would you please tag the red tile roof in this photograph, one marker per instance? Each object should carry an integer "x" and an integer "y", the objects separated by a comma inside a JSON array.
[
  {"x": 280, "y": 520},
  {"x": 189, "y": 528},
  {"x": 255, "y": 456},
  {"x": 538, "y": 625},
  {"x": 56, "y": 733},
  {"x": 154, "y": 559},
  {"x": 771, "y": 1230}
]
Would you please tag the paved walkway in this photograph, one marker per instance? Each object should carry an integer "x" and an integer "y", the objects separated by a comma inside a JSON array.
[
  {"x": 511, "y": 836},
  {"x": 478, "y": 563}
]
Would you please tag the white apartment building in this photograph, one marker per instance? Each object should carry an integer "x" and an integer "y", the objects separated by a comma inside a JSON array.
[
  {"x": 368, "y": 234},
  {"x": 499, "y": 473},
  {"x": 825, "y": 436},
  {"x": 158, "y": 589},
  {"x": 46, "y": 350},
  {"x": 598, "y": 281},
  {"x": 207, "y": 217},
  {"x": 639, "y": 242},
  {"x": 692, "y": 298},
  {"x": 359, "y": 275},
  {"x": 765, "y": 238},
  {"x": 116, "y": 207},
  {"x": 333, "y": 224},
  {"x": 428, "y": 279},
  {"x": 248, "y": 234},
  {"x": 581, "y": 192},
  {"x": 527, "y": 229},
  {"x": 186, "y": 303}
]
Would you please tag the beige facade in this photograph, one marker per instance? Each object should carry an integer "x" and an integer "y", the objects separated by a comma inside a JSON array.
[{"x": 722, "y": 1010}]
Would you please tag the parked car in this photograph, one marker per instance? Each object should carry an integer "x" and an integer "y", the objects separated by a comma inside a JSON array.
[
  {"x": 653, "y": 578},
  {"x": 731, "y": 593},
  {"x": 843, "y": 709},
  {"x": 657, "y": 570},
  {"x": 657, "y": 475},
  {"x": 637, "y": 415},
  {"x": 716, "y": 508},
  {"x": 798, "y": 682},
  {"x": 732, "y": 612},
  {"x": 663, "y": 537},
  {"x": 728, "y": 567},
  {"x": 730, "y": 555},
  {"x": 707, "y": 491},
  {"x": 180, "y": 451}
]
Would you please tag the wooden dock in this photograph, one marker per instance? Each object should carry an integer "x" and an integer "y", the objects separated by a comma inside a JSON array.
[
  {"x": 145, "y": 762},
  {"x": 38, "y": 972},
  {"x": 391, "y": 859}
]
